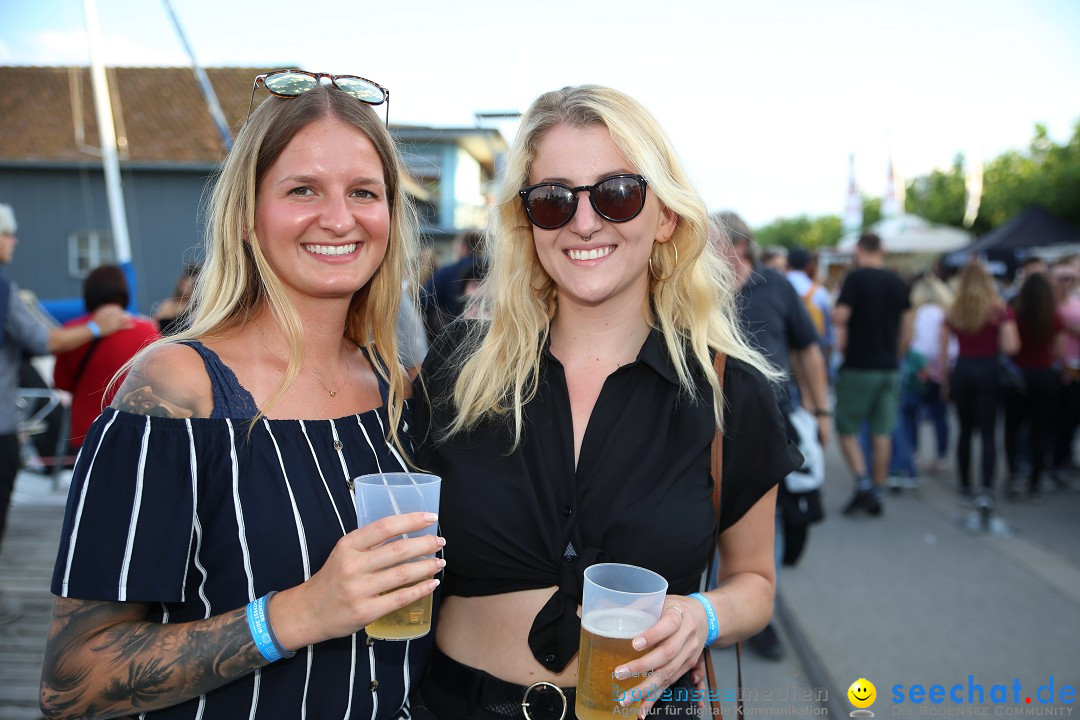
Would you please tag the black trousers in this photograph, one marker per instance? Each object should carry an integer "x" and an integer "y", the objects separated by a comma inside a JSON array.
[
  {"x": 1035, "y": 409},
  {"x": 1068, "y": 419},
  {"x": 9, "y": 468},
  {"x": 452, "y": 691},
  {"x": 973, "y": 389}
]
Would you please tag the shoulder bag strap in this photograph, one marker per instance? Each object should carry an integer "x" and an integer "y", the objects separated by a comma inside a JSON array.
[
  {"x": 717, "y": 455},
  {"x": 718, "y": 447},
  {"x": 82, "y": 364}
]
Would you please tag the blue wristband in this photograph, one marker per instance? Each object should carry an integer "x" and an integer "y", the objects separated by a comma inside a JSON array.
[
  {"x": 710, "y": 613},
  {"x": 270, "y": 628},
  {"x": 94, "y": 329},
  {"x": 262, "y": 633}
]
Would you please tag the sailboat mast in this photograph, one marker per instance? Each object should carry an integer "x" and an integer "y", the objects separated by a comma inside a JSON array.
[
  {"x": 109, "y": 158},
  {"x": 204, "y": 82}
]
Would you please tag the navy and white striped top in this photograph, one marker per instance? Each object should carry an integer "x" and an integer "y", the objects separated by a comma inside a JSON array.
[{"x": 199, "y": 517}]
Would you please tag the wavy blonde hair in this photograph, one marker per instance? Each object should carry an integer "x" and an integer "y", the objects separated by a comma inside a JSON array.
[
  {"x": 931, "y": 290},
  {"x": 692, "y": 303},
  {"x": 236, "y": 277},
  {"x": 976, "y": 297}
]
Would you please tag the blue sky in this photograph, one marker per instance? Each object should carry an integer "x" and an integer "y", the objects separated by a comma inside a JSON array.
[{"x": 764, "y": 100}]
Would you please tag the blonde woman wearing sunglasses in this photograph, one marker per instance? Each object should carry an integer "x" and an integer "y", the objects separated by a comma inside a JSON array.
[
  {"x": 573, "y": 425},
  {"x": 210, "y": 564}
]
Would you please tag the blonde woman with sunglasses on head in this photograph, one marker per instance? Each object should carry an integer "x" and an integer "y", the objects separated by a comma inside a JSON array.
[
  {"x": 573, "y": 425},
  {"x": 210, "y": 564}
]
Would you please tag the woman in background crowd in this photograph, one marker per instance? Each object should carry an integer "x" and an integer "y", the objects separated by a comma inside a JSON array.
[
  {"x": 1041, "y": 346},
  {"x": 984, "y": 327},
  {"x": 1065, "y": 275},
  {"x": 930, "y": 297},
  {"x": 171, "y": 313}
]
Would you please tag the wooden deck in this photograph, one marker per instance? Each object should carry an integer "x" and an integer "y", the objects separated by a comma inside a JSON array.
[{"x": 26, "y": 561}]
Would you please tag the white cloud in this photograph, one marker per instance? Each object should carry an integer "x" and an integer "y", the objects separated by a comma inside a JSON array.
[
  {"x": 6, "y": 56},
  {"x": 51, "y": 47}
]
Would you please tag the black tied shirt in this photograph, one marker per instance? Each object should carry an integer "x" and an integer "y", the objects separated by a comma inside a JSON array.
[{"x": 524, "y": 518}]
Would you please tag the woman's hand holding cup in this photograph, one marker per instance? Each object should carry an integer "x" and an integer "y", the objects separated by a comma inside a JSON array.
[
  {"x": 371, "y": 572},
  {"x": 674, "y": 645}
]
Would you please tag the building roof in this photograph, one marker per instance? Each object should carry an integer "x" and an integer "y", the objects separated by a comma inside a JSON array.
[
  {"x": 161, "y": 118},
  {"x": 160, "y": 114}
]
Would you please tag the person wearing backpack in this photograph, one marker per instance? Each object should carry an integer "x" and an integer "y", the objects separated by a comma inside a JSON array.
[
  {"x": 802, "y": 274},
  {"x": 778, "y": 323}
]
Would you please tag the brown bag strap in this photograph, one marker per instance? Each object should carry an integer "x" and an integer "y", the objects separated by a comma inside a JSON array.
[
  {"x": 717, "y": 476},
  {"x": 718, "y": 444}
]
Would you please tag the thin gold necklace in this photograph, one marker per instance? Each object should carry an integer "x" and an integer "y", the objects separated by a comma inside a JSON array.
[{"x": 333, "y": 393}]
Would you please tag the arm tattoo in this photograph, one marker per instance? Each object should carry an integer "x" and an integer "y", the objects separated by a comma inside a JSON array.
[
  {"x": 139, "y": 396},
  {"x": 143, "y": 401},
  {"x": 100, "y": 662}
]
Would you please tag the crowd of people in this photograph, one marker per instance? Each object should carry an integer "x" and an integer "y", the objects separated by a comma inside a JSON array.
[
  {"x": 990, "y": 349},
  {"x": 566, "y": 377}
]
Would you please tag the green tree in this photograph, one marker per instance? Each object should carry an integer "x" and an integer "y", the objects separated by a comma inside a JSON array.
[
  {"x": 1045, "y": 173},
  {"x": 939, "y": 197},
  {"x": 871, "y": 211},
  {"x": 802, "y": 231}
]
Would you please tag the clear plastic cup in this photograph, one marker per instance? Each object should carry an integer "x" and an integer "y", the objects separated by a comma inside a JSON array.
[
  {"x": 620, "y": 602},
  {"x": 383, "y": 494}
]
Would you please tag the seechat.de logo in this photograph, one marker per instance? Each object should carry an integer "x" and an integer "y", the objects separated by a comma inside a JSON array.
[{"x": 862, "y": 695}]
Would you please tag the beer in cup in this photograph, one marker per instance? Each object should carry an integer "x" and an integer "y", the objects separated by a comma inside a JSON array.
[
  {"x": 383, "y": 494},
  {"x": 620, "y": 602}
]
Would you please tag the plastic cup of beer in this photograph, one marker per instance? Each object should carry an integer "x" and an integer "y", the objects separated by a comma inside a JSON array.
[
  {"x": 620, "y": 602},
  {"x": 380, "y": 495}
]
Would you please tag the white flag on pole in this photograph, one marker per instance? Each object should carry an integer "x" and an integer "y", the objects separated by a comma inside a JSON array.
[
  {"x": 973, "y": 186},
  {"x": 853, "y": 216}
]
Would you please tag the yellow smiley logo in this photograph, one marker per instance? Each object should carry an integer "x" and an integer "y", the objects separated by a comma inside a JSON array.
[{"x": 862, "y": 693}]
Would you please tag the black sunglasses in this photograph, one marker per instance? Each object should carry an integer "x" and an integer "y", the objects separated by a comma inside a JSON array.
[
  {"x": 292, "y": 83},
  {"x": 551, "y": 205}
]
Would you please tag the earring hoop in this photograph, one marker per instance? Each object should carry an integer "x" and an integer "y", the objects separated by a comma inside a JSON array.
[{"x": 652, "y": 271}]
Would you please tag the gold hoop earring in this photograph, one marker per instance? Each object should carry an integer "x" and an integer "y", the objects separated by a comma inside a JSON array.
[{"x": 653, "y": 271}]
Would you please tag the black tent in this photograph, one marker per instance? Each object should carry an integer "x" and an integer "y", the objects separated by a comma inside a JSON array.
[{"x": 1035, "y": 227}]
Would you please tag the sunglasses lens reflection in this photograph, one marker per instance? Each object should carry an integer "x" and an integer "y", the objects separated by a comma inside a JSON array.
[
  {"x": 290, "y": 83},
  {"x": 619, "y": 198},
  {"x": 550, "y": 206},
  {"x": 360, "y": 89}
]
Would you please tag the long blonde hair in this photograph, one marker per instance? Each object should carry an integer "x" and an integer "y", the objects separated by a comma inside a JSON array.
[
  {"x": 236, "y": 277},
  {"x": 975, "y": 298},
  {"x": 692, "y": 303},
  {"x": 931, "y": 290}
]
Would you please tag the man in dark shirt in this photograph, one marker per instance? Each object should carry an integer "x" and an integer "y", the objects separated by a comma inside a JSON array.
[
  {"x": 873, "y": 329},
  {"x": 778, "y": 324},
  {"x": 443, "y": 297}
]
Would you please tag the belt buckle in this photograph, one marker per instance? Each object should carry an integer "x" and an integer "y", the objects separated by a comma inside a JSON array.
[{"x": 540, "y": 688}]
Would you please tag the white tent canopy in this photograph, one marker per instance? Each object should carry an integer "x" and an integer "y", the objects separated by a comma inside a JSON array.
[{"x": 911, "y": 234}]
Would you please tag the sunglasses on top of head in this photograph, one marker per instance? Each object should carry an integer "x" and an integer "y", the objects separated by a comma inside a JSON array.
[
  {"x": 293, "y": 83},
  {"x": 618, "y": 198}
]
